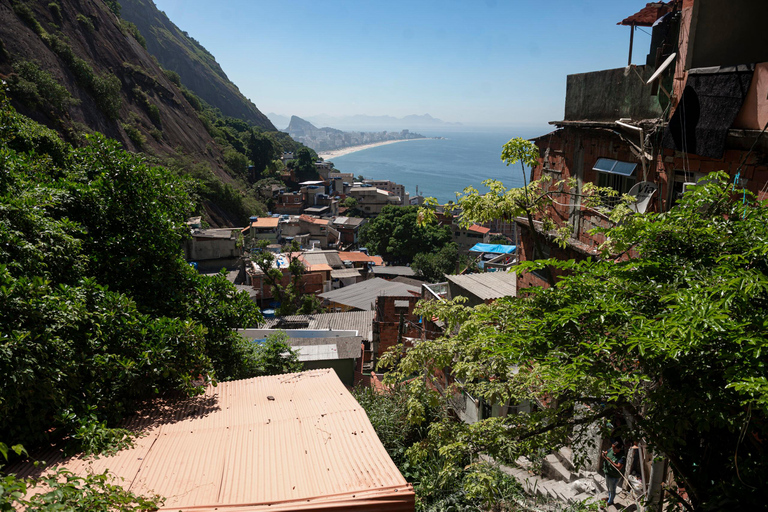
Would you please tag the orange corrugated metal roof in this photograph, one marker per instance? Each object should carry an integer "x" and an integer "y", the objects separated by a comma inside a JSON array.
[
  {"x": 355, "y": 256},
  {"x": 265, "y": 222},
  {"x": 377, "y": 260},
  {"x": 312, "y": 220},
  {"x": 288, "y": 442},
  {"x": 317, "y": 267},
  {"x": 478, "y": 229}
]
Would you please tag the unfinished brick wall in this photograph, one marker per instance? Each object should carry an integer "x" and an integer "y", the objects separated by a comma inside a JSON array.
[{"x": 386, "y": 322}]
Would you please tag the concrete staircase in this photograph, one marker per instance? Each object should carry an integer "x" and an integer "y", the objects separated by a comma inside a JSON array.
[{"x": 561, "y": 482}]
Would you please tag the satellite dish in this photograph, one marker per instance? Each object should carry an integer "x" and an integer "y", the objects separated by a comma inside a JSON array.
[
  {"x": 664, "y": 65},
  {"x": 643, "y": 191}
]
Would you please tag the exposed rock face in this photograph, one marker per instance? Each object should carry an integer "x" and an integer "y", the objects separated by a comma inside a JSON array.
[
  {"x": 94, "y": 35},
  {"x": 328, "y": 139},
  {"x": 197, "y": 68}
]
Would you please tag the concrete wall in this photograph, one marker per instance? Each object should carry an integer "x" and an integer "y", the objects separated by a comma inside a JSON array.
[
  {"x": 610, "y": 94},
  {"x": 211, "y": 249},
  {"x": 344, "y": 368}
]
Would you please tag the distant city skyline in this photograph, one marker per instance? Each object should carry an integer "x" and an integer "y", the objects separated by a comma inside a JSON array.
[{"x": 489, "y": 63}]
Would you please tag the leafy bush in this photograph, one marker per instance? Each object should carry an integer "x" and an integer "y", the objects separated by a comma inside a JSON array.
[
  {"x": 192, "y": 99},
  {"x": 55, "y": 9},
  {"x": 65, "y": 490},
  {"x": 86, "y": 22},
  {"x": 23, "y": 11},
  {"x": 152, "y": 110},
  {"x": 236, "y": 161},
  {"x": 114, "y": 6},
  {"x": 35, "y": 87},
  {"x": 79, "y": 354},
  {"x": 135, "y": 135},
  {"x": 129, "y": 28},
  {"x": 173, "y": 77},
  {"x": 105, "y": 89}
]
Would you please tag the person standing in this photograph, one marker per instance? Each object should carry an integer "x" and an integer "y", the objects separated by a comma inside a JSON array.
[{"x": 613, "y": 465}]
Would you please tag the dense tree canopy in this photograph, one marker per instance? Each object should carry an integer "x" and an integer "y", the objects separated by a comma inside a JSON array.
[
  {"x": 395, "y": 235},
  {"x": 670, "y": 346},
  {"x": 98, "y": 308},
  {"x": 433, "y": 266}
]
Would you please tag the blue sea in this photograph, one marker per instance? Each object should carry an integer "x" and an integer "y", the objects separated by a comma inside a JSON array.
[{"x": 441, "y": 167}]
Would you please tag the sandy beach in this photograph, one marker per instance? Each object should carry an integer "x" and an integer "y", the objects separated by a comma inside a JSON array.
[{"x": 328, "y": 155}]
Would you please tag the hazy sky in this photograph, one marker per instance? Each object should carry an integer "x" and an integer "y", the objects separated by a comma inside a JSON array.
[{"x": 474, "y": 62}]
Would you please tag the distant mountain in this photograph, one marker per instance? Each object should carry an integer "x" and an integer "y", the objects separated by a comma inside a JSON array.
[
  {"x": 328, "y": 139},
  {"x": 178, "y": 51},
  {"x": 362, "y": 122},
  {"x": 278, "y": 120}
]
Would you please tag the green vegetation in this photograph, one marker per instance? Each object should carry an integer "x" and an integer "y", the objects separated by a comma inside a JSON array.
[
  {"x": 129, "y": 28},
  {"x": 151, "y": 109},
  {"x": 396, "y": 236},
  {"x": 411, "y": 425},
  {"x": 670, "y": 347},
  {"x": 133, "y": 132},
  {"x": 274, "y": 356},
  {"x": 287, "y": 289},
  {"x": 98, "y": 308},
  {"x": 67, "y": 491},
  {"x": 37, "y": 88},
  {"x": 104, "y": 88},
  {"x": 433, "y": 266},
  {"x": 304, "y": 164},
  {"x": 86, "y": 23},
  {"x": 55, "y": 9},
  {"x": 114, "y": 6}
]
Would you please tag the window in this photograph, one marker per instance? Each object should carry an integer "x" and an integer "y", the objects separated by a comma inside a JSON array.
[
  {"x": 681, "y": 178},
  {"x": 542, "y": 273},
  {"x": 615, "y": 174}
]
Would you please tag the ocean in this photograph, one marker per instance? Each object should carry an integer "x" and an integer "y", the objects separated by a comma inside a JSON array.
[{"x": 440, "y": 167}]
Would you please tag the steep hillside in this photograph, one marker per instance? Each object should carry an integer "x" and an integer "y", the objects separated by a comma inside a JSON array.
[
  {"x": 77, "y": 66},
  {"x": 198, "y": 69},
  {"x": 111, "y": 83}
]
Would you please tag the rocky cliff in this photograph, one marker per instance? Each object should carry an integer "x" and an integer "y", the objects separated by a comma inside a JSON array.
[
  {"x": 78, "y": 66},
  {"x": 198, "y": 69}
]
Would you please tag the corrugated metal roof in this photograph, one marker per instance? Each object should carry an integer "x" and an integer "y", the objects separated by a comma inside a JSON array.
[
  {"x": 478, "y": 229},
  {"x": 265, "y": 222},
  {"x": 354, "y": 256},
  {"x": 286, "y": 442},
  {"x": 393, "y": 270},
  {"x": 345, "y": 273},
  {"x": 363, "y": 295},
  {"x": 360, "y": 321},
  {"x": 348, "y": 347},
  {"x": 319, "y": 257},
  {"x": 488, "y": 285}
]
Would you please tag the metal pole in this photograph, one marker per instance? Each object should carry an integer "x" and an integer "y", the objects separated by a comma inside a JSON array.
[{"x": 631, "y": 41}]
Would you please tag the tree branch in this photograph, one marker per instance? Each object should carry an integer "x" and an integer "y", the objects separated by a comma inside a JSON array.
[{"x": 565, "y": 423}]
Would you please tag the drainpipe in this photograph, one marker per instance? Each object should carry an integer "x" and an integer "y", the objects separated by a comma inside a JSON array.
[{"x": 631, "y": 41}]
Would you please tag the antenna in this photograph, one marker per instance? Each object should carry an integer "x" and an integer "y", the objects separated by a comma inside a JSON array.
[{"x": 664, "y": 65}]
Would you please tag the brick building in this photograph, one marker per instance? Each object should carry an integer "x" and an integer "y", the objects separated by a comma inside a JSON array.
[{"x": 698, "y": 105}]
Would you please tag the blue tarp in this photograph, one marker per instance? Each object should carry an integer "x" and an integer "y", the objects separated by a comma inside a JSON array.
[{"x": 494, "y": 248}]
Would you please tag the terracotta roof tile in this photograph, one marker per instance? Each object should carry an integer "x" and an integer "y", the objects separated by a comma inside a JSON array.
[{"x": 648, "y": 15}]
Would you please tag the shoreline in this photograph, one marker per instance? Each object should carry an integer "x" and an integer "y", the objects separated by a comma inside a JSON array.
[{"x": 326, "y": 155}]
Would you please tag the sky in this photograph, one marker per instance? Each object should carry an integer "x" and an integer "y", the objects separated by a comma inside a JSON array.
[{"x": 483, "y": 63}]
